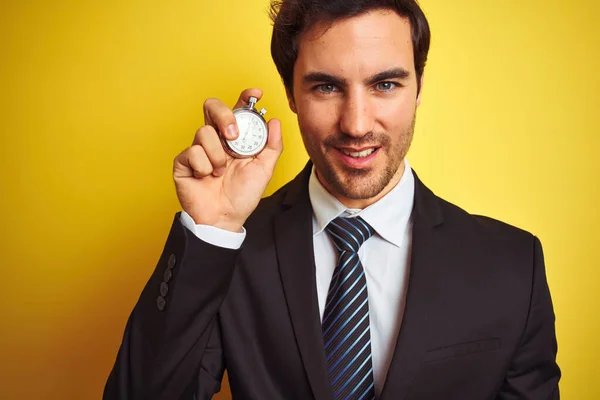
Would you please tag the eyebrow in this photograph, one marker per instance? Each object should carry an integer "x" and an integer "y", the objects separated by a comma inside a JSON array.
[{"x": 394, "y": 73}]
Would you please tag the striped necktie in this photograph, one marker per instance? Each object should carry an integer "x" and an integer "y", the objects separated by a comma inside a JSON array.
[{"x": 346, "y": 319}]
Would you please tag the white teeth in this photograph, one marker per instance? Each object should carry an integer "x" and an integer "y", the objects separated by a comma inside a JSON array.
[{"x": 358, "y": 154}]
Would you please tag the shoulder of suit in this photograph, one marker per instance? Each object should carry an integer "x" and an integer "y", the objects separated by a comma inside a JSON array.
[{"x": 485, "y": 226}]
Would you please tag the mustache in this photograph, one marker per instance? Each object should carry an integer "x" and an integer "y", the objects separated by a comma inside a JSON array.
[{"x": 341, "y": 139}]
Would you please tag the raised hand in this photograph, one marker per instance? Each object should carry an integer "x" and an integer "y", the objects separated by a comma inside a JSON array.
[{"x": 213, "y": 187}]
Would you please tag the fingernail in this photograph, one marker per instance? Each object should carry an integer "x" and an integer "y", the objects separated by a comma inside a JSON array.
[{"x": 232, "y": 131}]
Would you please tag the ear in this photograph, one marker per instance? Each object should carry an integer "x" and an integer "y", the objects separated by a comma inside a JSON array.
[
  {"x": 291, "y": 101},
  {"x": 420, "y": 90}
]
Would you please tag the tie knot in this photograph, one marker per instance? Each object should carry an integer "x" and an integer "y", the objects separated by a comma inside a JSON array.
[{"x": 349, "y": 234}]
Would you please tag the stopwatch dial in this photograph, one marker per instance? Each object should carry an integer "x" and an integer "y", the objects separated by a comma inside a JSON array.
[{"x": 253, "y": 134}]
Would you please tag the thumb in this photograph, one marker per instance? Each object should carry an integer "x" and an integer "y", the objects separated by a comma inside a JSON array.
[{"x": 274, "y": 146}]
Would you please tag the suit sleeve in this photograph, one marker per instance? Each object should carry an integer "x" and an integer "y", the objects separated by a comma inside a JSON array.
[
  {"x": 533, "y": 373},
  {"x": 171, "y": 344}
]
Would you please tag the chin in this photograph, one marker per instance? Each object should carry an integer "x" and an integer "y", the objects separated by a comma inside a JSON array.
[
  {"x": 358, "y": 184},
  {"x": 361, "y": 193}
]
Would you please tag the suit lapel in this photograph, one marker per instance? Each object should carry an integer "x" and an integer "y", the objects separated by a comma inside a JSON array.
[
  {"x": 295, "y": 255},
  {"x": 422, "y": 296}
]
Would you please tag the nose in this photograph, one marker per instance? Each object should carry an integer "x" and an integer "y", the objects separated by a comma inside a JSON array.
[{"x": 356, "y": 117}]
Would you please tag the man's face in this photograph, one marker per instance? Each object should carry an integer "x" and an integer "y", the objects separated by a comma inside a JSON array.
[{"x": 355, "y": 94}]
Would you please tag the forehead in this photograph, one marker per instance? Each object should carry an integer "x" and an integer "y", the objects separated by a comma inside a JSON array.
[{"x": 364, "y": 44}]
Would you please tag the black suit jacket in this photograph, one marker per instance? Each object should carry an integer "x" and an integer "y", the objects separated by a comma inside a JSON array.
[{"x": 478, "y": 322}]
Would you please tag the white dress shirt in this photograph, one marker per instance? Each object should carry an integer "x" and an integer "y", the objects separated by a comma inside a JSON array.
[{"x": 385, "y": 258}]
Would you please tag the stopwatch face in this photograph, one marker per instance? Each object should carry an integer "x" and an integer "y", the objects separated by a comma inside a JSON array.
[{"x": 252, "y": 134}]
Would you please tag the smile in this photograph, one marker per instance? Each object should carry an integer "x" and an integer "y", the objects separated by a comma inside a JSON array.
[{"x": 358, "y": 154}]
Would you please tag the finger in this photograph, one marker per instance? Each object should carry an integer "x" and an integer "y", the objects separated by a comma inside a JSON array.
[
  {"x": 181, "y": 167},
  {"x": 208, "y": 138},
  {"x": 220, "y": 116},
  {"x": 274, "y": 146},
  {"x": 244, "y": 98},
  {"x": 192, "y": 162}
]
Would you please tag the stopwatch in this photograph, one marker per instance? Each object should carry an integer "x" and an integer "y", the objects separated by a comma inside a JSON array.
[{"x": 253, "y": 132}]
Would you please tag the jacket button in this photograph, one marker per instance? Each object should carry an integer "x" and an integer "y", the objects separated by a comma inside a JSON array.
[
  {"x": 168, "y": 274},
  {"x": 161, "y": 303},
  {"x": 164, "y": 289},
  {"x": 172, "y": 261}
]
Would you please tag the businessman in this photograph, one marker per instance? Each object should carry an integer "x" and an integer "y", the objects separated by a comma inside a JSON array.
[{"x": 353, "y": 281}]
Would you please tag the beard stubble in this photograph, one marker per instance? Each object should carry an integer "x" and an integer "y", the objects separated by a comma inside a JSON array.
[{"x": 359, "y": 184}]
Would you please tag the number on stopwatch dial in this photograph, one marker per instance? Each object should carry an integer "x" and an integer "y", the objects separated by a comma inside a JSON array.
[{"x": 253, "y": 134}]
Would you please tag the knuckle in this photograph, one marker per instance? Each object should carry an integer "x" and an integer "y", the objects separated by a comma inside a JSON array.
[
  {"x": 181, "y": 157},
  {"x": 177, "y": 158},
  {"x": 206, "y": 131},
  {"x": 197, "y": 152},
  {"x": 209, "y": 101}
]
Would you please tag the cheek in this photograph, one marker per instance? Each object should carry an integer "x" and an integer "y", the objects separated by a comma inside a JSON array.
[
  {"x": 317, "y": 120},
  {"x": 396, "y": 115}
]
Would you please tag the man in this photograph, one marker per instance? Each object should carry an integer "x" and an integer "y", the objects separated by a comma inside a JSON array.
[{"x": 353, "y": 281}]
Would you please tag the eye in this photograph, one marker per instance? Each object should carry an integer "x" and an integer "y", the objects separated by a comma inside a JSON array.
[
  {"x": 386, "y": 86},
  {"x": 326, "y": 88}
]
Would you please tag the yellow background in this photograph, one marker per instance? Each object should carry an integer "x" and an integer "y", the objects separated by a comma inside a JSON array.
[{"x": 96, "y": 99}]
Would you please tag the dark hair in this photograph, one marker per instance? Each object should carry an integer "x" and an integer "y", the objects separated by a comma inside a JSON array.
[{"x": 291, "y": 18}]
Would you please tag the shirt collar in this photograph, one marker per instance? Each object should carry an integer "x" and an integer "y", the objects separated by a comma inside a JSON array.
[{"x": 389, "y": 216}]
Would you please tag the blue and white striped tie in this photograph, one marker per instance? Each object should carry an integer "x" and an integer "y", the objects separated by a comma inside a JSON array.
[{"x": 346, "y": 318}]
